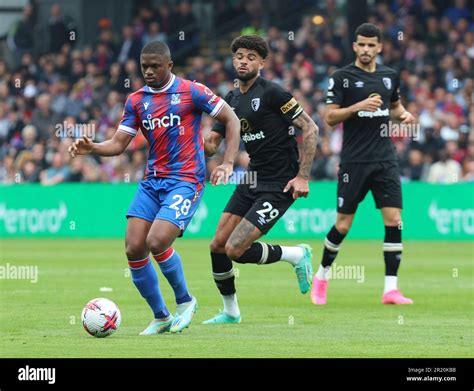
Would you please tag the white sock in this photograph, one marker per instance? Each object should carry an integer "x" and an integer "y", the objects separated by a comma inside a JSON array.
[
  {"x": 390, "y": 283},
  {"x": 291, "y": 254},
  {"x": 231, "y": 307},
  {"x": 323, "y": 272}
]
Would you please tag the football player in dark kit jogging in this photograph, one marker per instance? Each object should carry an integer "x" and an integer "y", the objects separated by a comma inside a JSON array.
[
  {"x": 268, "y": 116},
  {"x": 364, "y": 96}
]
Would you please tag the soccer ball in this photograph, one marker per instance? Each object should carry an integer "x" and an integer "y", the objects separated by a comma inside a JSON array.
[{"x": 101, "y": 317}]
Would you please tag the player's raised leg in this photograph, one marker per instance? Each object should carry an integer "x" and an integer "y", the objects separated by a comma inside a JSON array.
[
  {"x": 243, "y": 248},
  {"x": 266, "y": 209},
  {"x": 223, "y": 271},
  {"x": 144, "y": 275},
  {"x": 392, "y": 253},
  {"x": 332, "y": 244}
]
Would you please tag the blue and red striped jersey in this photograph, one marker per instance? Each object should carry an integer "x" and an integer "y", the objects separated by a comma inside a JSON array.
[{"x": 170, "y": 120}]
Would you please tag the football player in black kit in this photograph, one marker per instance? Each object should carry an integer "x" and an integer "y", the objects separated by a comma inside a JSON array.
[
  {"x": 268, "y": 115},
  {"x": 363, "y": 96}
]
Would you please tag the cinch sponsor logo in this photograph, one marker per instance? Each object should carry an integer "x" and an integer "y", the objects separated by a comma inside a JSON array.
[
  {"x": 253, "y": 136},
  {"x": 165, "y": 121},
  {"x": 378, "y": 113}
]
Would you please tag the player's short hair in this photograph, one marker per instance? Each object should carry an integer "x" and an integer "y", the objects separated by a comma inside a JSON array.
[
  {"x": 250, "y": 42},
  {"x": 368, "y": 30},
  {"x": 157, "y": 47}
]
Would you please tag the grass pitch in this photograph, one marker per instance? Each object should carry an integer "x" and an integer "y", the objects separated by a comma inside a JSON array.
[{"x": 42, "y": 319}]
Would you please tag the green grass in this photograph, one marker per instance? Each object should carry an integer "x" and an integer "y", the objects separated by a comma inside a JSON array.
[{"x": 43, "y": 319}]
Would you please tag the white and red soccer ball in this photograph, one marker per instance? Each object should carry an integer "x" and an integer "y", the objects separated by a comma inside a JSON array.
[{"x": 101, "y": 317}]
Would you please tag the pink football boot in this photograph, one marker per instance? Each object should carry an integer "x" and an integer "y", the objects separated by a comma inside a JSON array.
[
  {"x": 395, "y": 297},
  {"x": 319, "y": 291}
]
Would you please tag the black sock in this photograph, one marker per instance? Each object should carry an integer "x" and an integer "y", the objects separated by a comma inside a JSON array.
[
  {"x": 331, "y": 246},
  {"x": 223, "y": 273},
  {"x": 392, "y": 250},
  {"x": 260, "y": 253}
]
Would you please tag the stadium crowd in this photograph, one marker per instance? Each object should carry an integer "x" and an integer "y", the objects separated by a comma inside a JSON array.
[{"x": 48, "y": 98}]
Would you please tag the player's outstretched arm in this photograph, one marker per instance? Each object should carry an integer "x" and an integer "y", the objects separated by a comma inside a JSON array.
[
  {"x": 232, "y": 134},
  {"x": 308, "y": 148},
  {"x": 399, "y": 113},
  {"x": 211, "y": 143},
  {"x": 113, "y": 147}
]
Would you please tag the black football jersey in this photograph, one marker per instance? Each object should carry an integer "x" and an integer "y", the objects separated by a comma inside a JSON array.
[
  {"x": 266, "y": 112},
  {"x": 365, "y": 136}
]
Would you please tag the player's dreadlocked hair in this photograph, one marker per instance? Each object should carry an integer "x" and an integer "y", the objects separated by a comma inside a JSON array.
[
  {"x": 157, "y": 47},
  {"x": 250, "y": 42},
  {"x": 368, "y": 30}
]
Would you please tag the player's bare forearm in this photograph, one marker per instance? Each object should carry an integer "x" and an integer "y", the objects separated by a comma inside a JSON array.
[
  {"x": 396, "y": 110},
  {"x": 211, "y": 143},
  {"x": 232, "y": 133},
  {"x": 400, "y": 114},
  {"x": 106, "y": 148},
  {"x": 113, "y": 147},
  {"x": 336, "y": 114},
  {"x": 308, "y": 148}
]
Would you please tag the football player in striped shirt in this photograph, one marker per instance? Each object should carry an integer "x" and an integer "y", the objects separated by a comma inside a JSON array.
[{"x": 168, "y": 111}]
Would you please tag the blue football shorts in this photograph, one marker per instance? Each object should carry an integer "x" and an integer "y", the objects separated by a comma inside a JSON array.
[{"x": 166, "y": 199}]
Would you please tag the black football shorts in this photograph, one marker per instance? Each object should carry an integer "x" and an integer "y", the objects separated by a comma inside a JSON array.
[
  {"x": 262, "y": 207},
  {"x": 356, "y": 179}
]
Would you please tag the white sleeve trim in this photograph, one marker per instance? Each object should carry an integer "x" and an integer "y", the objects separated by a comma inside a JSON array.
[
  {"x": 218, "y": 108},
  {"x": 298, "y": 112},
  {"x": 127, "y": 129}
]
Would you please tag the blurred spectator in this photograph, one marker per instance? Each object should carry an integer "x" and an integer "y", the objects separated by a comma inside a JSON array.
[
  {"x": 60, "y": 29},
  {"x": 154, "y": 33},
  {"x": 57, "y": 173},
  {"x": 137, "y": 166},
  {"x": 164, "y": 18},
  {"x": 29, "y": 136},
  {"x": 468, "y": 170},
  {"x": 446, "y": 170},
  {"x": 20, "y": 37},
  {"x": 7, "y": 170},
  {"x": 457, "y": 11},
  {"x": 130, "y": 47},
  {"x": 184, "y": 30},
  {"x": 324, "y": 165},
  {"x": 30, "y": 172},
  {"x": 43, "y": 117},
  {"x": 417, "y": 168}
]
